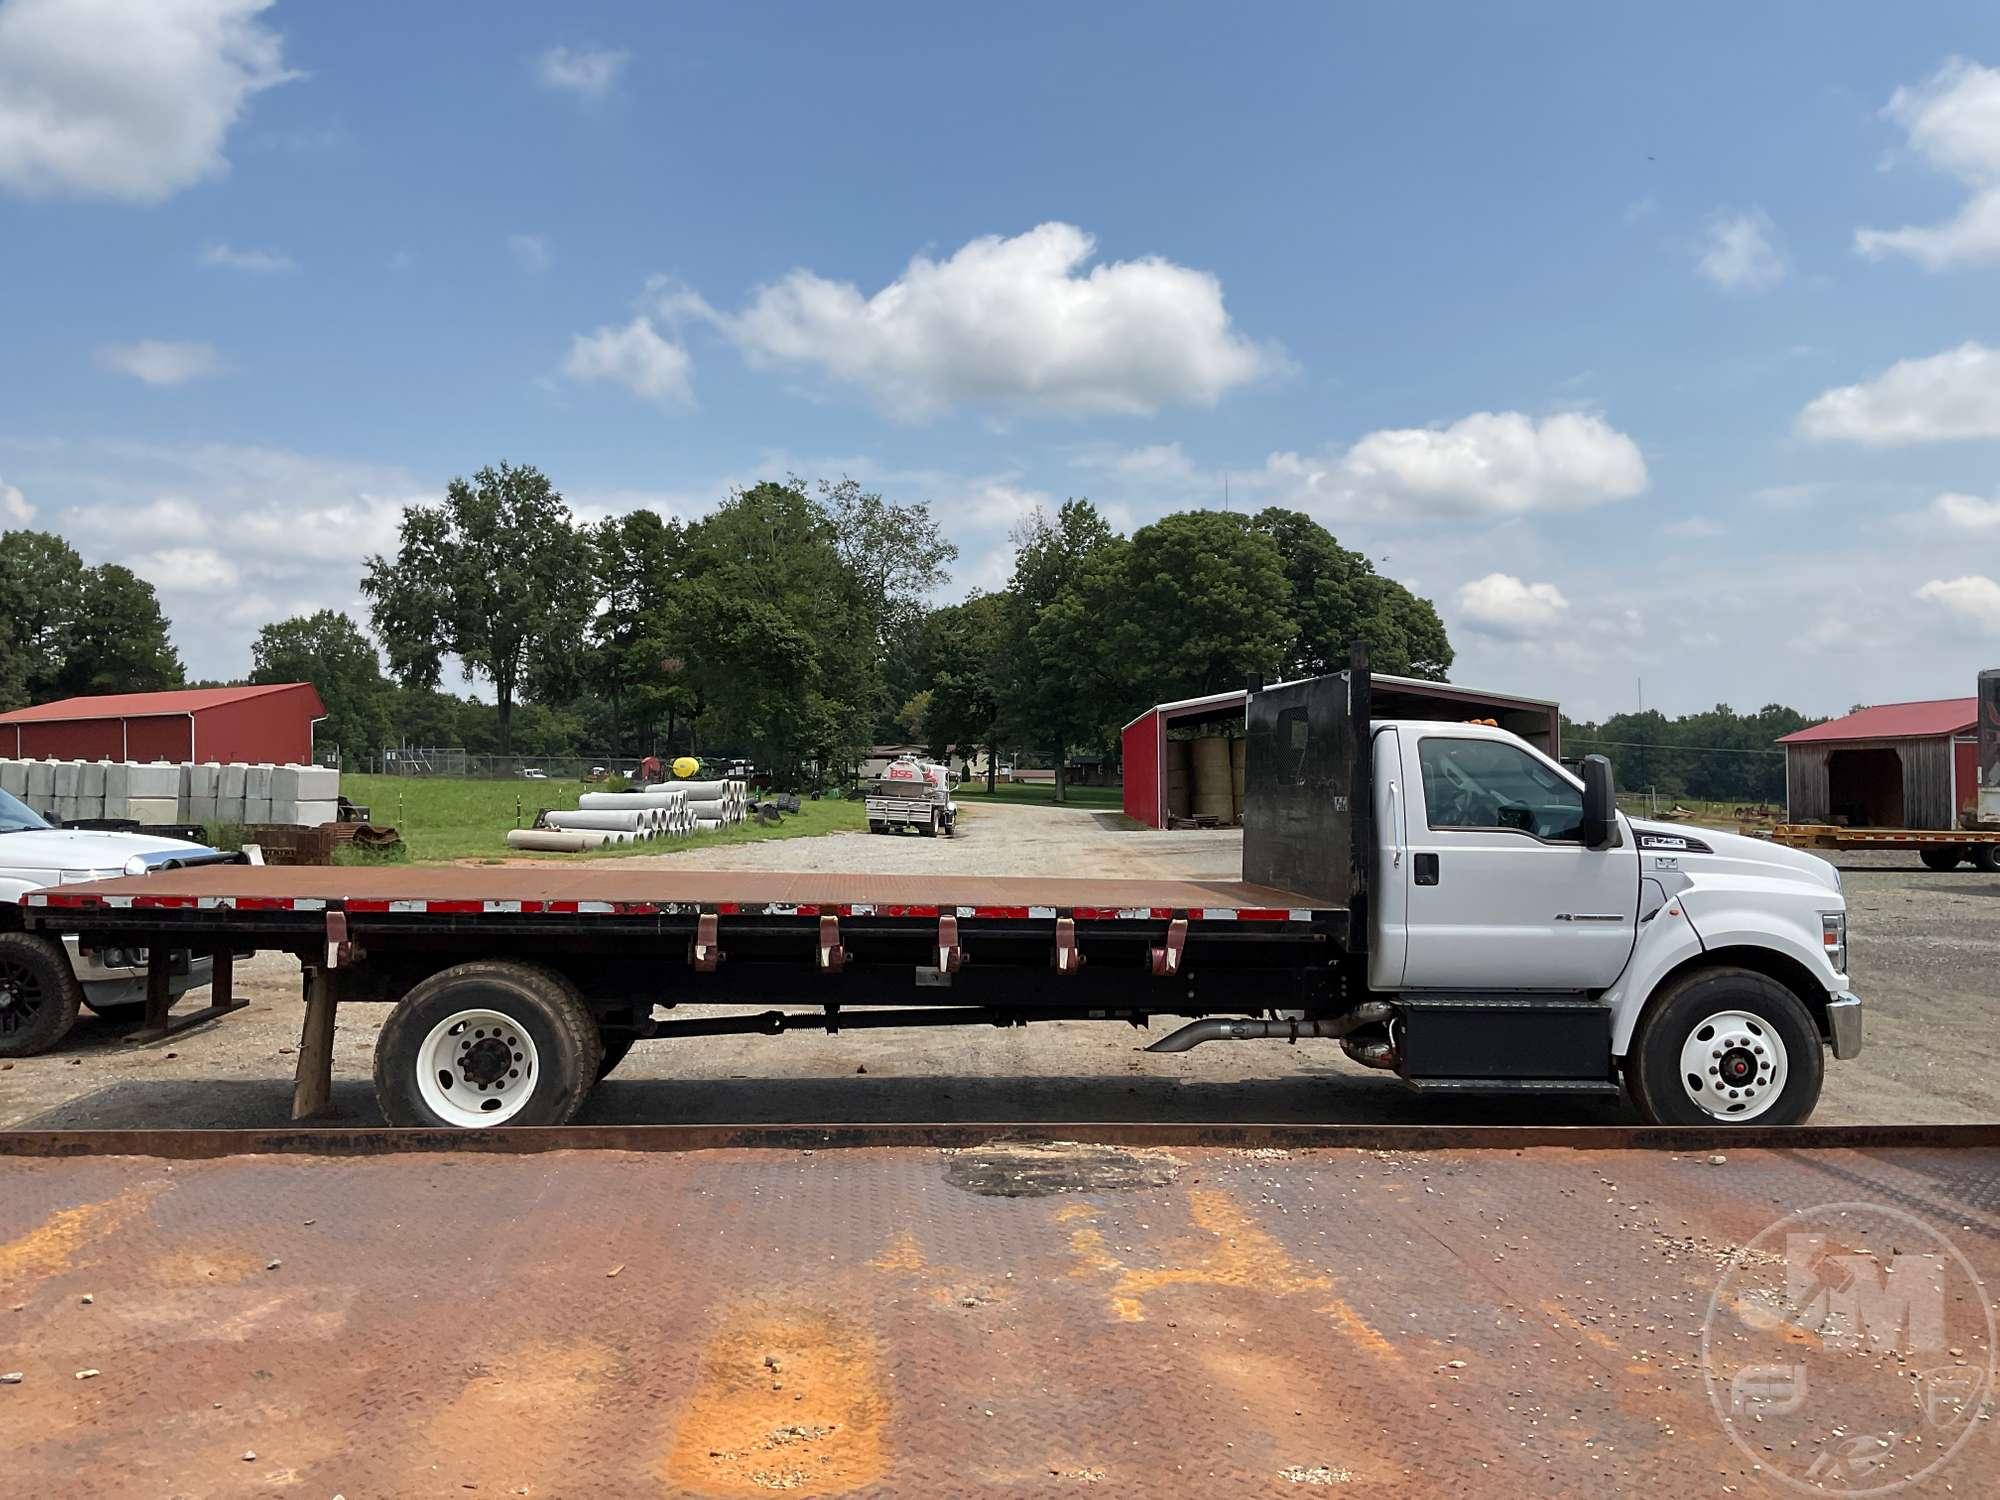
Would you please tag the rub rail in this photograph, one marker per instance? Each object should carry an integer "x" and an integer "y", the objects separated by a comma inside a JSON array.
[{"x": 193, "y": 1145}]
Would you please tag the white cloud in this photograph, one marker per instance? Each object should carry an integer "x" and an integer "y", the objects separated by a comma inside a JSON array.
[
  {"x": 1693, "y": 528},
  {"x": 1490, "y": 463},
  {"x": 261, "y": 262},
  {"x": 1973, "y": 599},
  {"x": 1967, "y": 512},
  {"x": 1952, "y": 120},
  {"x": 636, "y": 357},
  {"x": 1740, "y": 254},
  {"x": 160, "y": 362},
  {"x": 1947, "y": 396},
  {"x": 531, "y": 252},
  {"x": 588, "y": 72},
  {"x": 1502, "y": 605},
  {"x": 14, "y": 507},
  {"x": 1011, "y": 322},
  {"x": 186, "y": 570},
  {"x": 127, "y": 98}
]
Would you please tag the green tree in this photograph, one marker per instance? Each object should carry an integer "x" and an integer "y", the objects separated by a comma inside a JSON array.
[
  {"x": 776, "y": 634},
  {"x": 1337, "y": 598},
  {"x": 1059, "y": 679},
  {"x": 328, "y": 650},
  {"x": 119, "y": 641},
  {"x": 635, "y": 665},
  {"x": 959, "y": 649},
  {"x": 1205, "y": 604},
  {"x": 497, "y": 576}
]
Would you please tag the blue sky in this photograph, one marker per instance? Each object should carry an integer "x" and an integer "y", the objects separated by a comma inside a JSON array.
[{"x": 1652, "y": 344}]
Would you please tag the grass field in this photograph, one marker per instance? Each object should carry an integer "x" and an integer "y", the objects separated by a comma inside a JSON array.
[
  {"x": 1040, "y": 792},
  {"x": 448, "y": 819}
]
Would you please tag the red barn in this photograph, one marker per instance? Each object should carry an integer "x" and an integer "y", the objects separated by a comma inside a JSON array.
[
  {"x": 1896, "y": 765},
  {"x": 270, "y": 723}
]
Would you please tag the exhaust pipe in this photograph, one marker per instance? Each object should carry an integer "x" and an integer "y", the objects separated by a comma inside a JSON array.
[
  {"x": 1221, "y": 1029},
  {"x": 1375, "y": 1054}
]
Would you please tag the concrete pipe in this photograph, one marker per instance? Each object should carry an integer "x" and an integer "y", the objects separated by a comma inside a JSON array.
[
  {"x": 701, "y": 791},
  {"x": 634, "y": 820},
  {"x": 707, "y": 825},
  {"x": 715, "y": 808},
  {"x": 621, "y": 801},
  {"x": 555, "y": 840}
]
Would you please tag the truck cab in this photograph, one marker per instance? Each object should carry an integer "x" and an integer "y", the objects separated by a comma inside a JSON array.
[{"x": 1501, "y": 872}]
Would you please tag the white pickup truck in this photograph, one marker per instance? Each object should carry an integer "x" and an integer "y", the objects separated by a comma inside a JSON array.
[{"x": 34, "y": 1012}]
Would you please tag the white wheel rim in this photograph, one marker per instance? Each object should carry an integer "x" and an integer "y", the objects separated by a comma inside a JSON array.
[
  {"x": 1733, "y": 1066},
  {"x": 477, "y": 1068}
]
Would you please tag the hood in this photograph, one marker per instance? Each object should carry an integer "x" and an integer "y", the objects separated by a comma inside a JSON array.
[
  {"x": 1714, "y": 851},
  {"x": 75, "y": 851}
]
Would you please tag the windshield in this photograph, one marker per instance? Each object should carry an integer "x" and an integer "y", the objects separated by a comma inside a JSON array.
[{"x": 17, "y": 817}]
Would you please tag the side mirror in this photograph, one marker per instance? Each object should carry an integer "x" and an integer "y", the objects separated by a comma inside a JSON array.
[{"x": 1600, "y": 804}]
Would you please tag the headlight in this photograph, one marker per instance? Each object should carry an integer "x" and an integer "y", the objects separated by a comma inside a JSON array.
[{"x": 1833, "y": 937}]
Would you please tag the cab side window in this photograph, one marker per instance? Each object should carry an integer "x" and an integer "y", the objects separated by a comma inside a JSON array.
[{"x": 1486, "y": 784}]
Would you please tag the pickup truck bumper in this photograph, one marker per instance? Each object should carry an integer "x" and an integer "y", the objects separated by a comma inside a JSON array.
[
  {"x": 123, "y": 978},
  {"x": 1843, "y": 1020}
]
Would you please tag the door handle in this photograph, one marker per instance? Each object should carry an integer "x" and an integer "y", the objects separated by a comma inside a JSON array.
[
  {"x": 1426, "y": 869},
  {"x": 1396, "y": 824}
]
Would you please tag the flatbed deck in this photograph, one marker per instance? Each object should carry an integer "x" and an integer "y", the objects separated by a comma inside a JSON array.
[
  {"x": 1005, "y": 1318},
  {"x": 570, "y": 889}
]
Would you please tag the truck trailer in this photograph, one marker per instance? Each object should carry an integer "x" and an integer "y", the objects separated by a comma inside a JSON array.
[{"x": 1441, "y": 899}]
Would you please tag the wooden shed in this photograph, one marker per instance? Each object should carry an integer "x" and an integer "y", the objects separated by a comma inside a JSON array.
[{"x": 1895, "y": 765}]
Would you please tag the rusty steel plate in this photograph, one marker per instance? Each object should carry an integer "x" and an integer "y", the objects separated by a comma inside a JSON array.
[
  {"x": 1017, "y": 1318},
  {"x": 571, "y": 882}
]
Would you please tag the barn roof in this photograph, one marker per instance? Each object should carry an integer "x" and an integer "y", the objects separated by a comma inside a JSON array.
[
  {"x": 1929, "y": 719},
  {"x": 149, "y": 705}
]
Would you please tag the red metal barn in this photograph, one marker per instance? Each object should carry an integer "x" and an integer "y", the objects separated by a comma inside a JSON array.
[
  {"x": 1896, "y": 765},
  {"x": 271, "y": 723},
  {"x": 1536, "y": 720}
]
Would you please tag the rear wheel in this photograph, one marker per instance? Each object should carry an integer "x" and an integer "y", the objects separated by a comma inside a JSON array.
[
  {"x": 1945, "y": 858},
  {"x": 487, "y": 1043},
  {"x": 1985, "y": 857},
  {"x": 39, "y": 994},
  {"x": 1726, "y": 1046}
]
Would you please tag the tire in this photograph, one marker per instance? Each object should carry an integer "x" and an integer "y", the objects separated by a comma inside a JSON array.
[
  {"x": 427, "y": 1072},
  {"x": 1754, "y": 1022},
  {"x": 876, "y": 825},
  {"x": 1985, "y": 857},
  {"x": 1944, "y": 858},
  {"x": 615, "y": 1048},
  {"x": 39, "y": 994}
]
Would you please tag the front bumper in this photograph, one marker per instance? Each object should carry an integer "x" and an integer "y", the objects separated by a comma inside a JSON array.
[
  {"x": 1843, "y": 1020},
  {"x": 125, "y": 977}
]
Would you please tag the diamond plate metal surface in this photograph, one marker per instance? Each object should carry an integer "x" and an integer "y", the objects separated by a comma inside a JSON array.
[{"x": 1016, "y": 1319}]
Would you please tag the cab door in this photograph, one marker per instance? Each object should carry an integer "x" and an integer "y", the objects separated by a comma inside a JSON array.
[
  {"x": 1501, "y": 892},
  {"x": 1390, "y": 940}
]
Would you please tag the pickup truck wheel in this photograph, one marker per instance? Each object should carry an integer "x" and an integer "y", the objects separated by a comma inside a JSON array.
[
  {"x": 487, "y": 1043},
  {"x": 1726, "y": 1047},
  {"x": 39, "y": 994},
  {"x": 1946, "y": 858}
]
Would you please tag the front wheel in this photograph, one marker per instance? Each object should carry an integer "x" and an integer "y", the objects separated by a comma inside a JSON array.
[
  {"x": 487, "y": 1043},
  {"x": 39, "y": 994},
  {"x": 1726, "y": 1046}
]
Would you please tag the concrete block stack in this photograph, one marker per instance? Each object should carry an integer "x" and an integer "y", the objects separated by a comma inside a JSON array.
[{"x": 165, "y": 793}]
